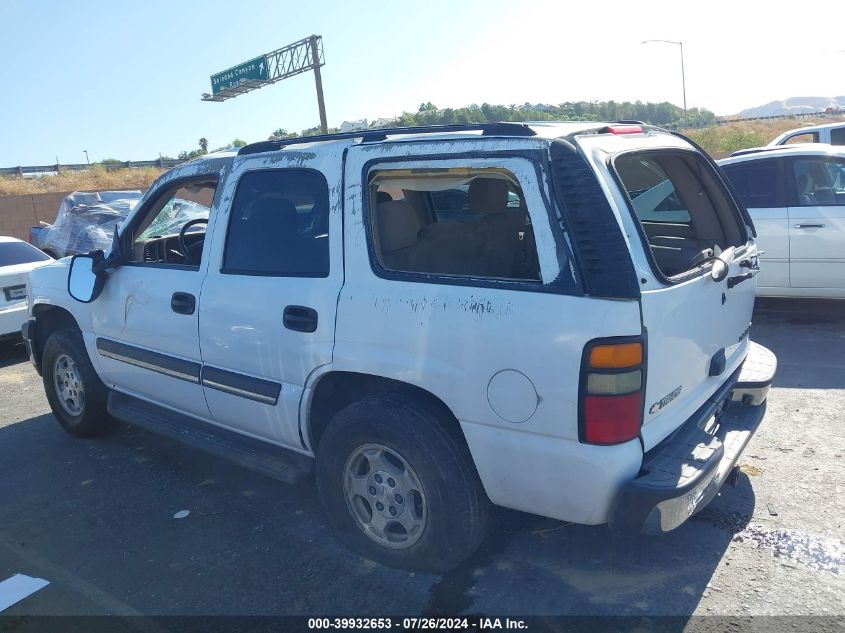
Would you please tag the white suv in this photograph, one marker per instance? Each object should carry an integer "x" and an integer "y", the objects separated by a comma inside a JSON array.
[{"x": 536, "y": 344}]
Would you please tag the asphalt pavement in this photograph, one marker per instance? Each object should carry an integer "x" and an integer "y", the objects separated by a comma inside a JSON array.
[{"x": 96, "y": 519}]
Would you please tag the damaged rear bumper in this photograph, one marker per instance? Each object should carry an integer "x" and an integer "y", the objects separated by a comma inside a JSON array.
[{"x": 685, "y": 471}]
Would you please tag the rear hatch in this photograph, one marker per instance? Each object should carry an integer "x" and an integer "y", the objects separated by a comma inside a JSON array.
[{"x": 696, "y": 327}]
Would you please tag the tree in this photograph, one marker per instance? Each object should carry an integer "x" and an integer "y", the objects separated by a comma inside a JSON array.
[
  {"x": 238, "y": 143},
  {"x": 280, "y": 134},
  {"x": 204, "y": 145},
  {"x": 427, "y": 106}
]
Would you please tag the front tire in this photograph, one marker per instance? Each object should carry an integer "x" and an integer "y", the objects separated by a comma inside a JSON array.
[
  {"x": 76, "y": 394},
  {"x": 399, "y": 486}
]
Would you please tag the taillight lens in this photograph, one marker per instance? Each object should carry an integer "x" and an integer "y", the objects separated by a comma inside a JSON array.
[{"x": 612, "y": 388}]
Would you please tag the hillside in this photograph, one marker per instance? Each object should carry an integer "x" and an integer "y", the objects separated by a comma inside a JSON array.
[
  {"x": 794, "y": 105},
  {"x": 719, "y": 141}
]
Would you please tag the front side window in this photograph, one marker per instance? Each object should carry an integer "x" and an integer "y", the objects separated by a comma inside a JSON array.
[
  {"x": 172, "y": 228},
  {"x": 279, "y": 225},
  {"x": 683, "y": 208},
  {"x": 805, "y": 137},
  {"x": 459, "y": 222},
  {"x": 819, "y": 181},
  {"x": 756, "y": 182}
]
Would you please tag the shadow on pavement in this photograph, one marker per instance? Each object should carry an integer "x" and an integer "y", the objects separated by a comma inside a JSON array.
[
  {"x": 12, "y": 352},
  {"x": 99, "y": 513}
]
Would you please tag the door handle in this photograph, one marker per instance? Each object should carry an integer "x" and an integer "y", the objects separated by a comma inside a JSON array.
[
  {"x": 300, "y": 319},
  {"x": 809, "y": 226},
  {"x": 738, "y": 279},
  {"x": 183, "y": 303}
]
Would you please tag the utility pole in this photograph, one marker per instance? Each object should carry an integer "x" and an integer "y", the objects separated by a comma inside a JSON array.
[
  {"x": 683, "y": 75},
  {"x": 86, "y": 156},
  {"x": 318, "y": 80}
]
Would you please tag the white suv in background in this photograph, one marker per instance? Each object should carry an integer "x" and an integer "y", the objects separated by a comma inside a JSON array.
[
  {"x": 571, "y": 338},
  {"x": 830, "y": 133},
  {"x": 796, "y": 196},
  {"x": 17, "y": 258}
]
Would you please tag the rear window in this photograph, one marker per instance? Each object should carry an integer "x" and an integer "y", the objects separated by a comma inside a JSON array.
[
  {"x": 13, "y": 253},
  {"x": 756, "y": 182},
  {"x": 837, "y": 136},
  {"x": 685, "y": 212}
]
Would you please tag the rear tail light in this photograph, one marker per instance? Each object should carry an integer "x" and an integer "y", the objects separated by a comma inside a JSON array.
[
  {"x": 612, "y": 385},
  {"x": 29, "y": 237}
]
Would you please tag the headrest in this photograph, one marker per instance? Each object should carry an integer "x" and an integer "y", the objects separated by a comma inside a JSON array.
[
  {"x": 398, "y": 225},
  {"x": 802, "y": 182},
  {"x": 488, "y": 195},
  {"x": 383, "y": 196}
]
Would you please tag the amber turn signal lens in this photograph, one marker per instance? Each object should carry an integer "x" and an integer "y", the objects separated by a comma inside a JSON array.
[{"x": 616, "y": 356}]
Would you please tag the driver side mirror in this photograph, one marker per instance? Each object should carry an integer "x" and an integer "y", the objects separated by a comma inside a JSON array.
[{"x": 85, "y": 279}]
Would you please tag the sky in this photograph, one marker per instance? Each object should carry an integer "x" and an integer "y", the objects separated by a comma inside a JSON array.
[{"x": 124, "y": 79}]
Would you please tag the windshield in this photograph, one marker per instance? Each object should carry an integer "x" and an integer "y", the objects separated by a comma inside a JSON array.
[
  {"x": 13, "y": 253},
  {"x": 173, "y": 216}
]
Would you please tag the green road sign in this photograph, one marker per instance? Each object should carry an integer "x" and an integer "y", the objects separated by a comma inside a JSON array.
[{"x": 253, "y": 70}]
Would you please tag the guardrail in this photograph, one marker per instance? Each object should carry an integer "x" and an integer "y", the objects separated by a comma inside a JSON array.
[
  {"x": 800, "y": 115},
  {"x": 58, "y": 168}
]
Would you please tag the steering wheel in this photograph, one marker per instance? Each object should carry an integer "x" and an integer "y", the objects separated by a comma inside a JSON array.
[{"x": 189, "y": 251}]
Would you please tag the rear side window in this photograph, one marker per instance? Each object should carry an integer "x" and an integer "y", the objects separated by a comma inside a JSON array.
[
  {"x": 683, "y": 208},
  {"x": 279, "y": 225},
  {"x": 837, "y": 136},
  {"x": 756, "y": 182},
  {"x": 14, "y": 253},
  {"x": 460, "y": 222}
]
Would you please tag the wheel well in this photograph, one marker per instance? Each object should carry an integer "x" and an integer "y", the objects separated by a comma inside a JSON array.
[
  {"x": 50, "y": 318},
  {"x": 336, "y": 390}
]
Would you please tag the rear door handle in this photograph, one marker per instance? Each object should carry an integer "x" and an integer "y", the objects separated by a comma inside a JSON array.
[
  {"x": 183, "y": 303},
  {"x": 809, "y": 226},
  {"x": 300, "y": 319}
]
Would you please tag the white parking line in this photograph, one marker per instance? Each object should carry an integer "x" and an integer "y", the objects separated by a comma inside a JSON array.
[{"x": 18, "y": 587}]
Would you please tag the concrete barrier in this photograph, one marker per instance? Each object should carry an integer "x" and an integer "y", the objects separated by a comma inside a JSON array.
[{"x": 18, "y": 213}]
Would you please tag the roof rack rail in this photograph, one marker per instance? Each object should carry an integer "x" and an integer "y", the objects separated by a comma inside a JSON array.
[{"x": 380, "y": 134}]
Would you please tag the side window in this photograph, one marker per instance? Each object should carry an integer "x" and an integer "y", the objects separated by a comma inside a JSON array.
[
  {"x": 837, "y": 136},
  {"x": 805, "y": 137},
  {"x": 460, "y": 222},
  {"x": 155, "y": 238},
  {"x": 279, "y": 225},
  {"x": 819, "y": 181},
  {"x": 756, "y": 182},
  {"x": 683, "y": 186}
]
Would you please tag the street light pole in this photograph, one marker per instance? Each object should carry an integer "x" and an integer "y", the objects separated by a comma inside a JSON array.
[
  {"x": 683, "y": 75},
  {"x": 86, "y": 156}
]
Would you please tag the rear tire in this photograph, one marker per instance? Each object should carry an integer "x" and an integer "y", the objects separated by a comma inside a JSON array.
[
  {"x": 75, "y": 392},
  {"x": 399, "y": 486}
]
